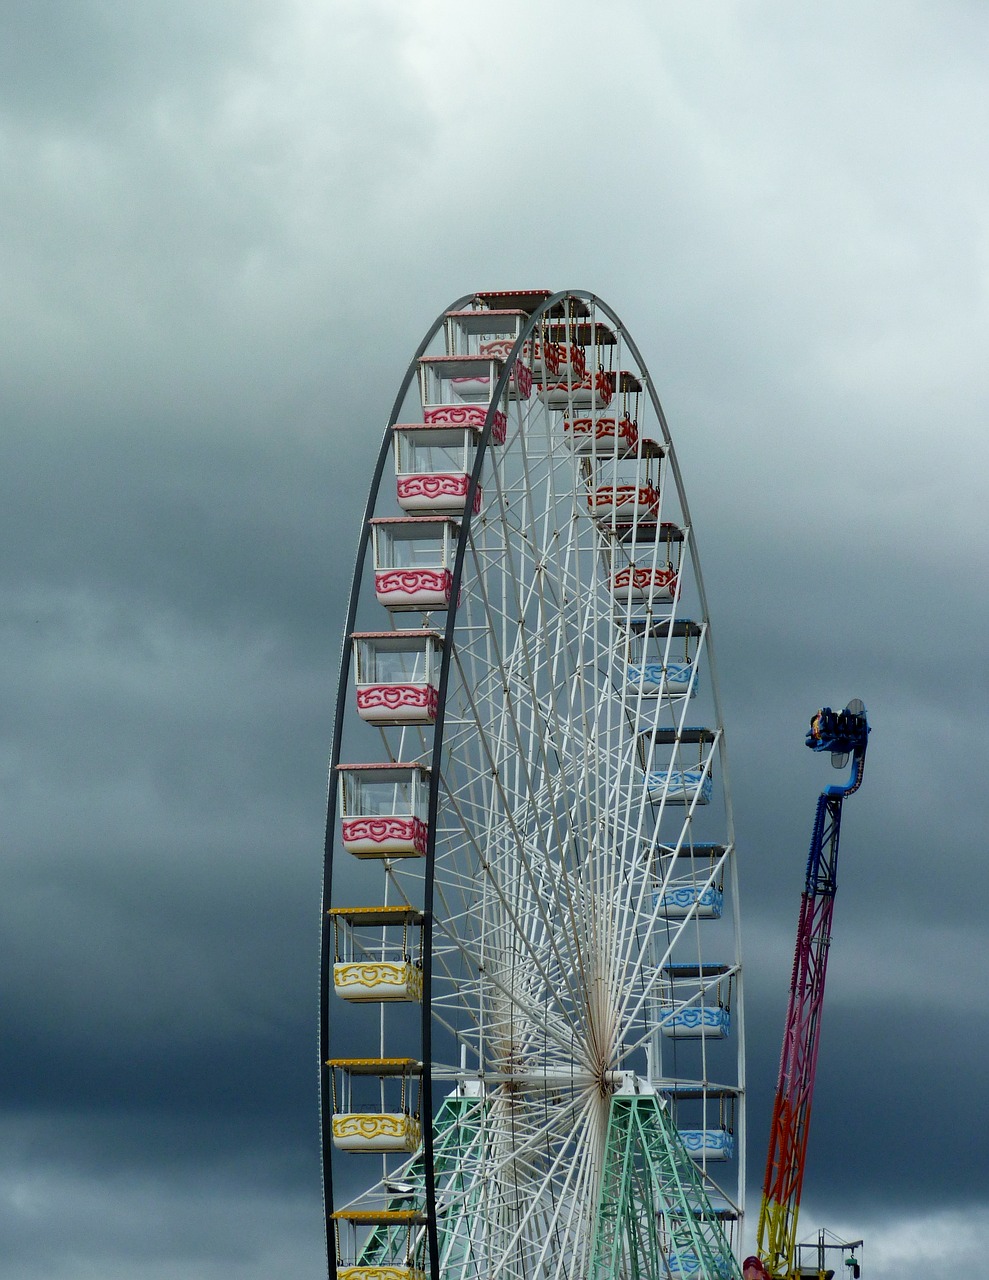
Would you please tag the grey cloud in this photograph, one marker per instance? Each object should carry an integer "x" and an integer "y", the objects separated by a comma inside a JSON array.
[{"x": 225, "y": 233}]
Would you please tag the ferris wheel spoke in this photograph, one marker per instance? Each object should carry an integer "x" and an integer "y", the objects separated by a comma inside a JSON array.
[
  {"x": 695, "y": 1001},
  {"x": 629, "y": 1012},
  {"x": 629, "y": 959},
  {"x": 522, "y": 654},
  {"x": 459, "y": 938},
  {"x": 491, "y": 759},
  {"x": 459, "y": 990},
  {"x": 544, "y": 1200},
  {"x": 579, "y": 1189},
  {"x": 551, "y": 602}
]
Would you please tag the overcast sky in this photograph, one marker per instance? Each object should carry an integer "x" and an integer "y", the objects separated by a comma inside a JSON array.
[{"x": 224, "y": 228}]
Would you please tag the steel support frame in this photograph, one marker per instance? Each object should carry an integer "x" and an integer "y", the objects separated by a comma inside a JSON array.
[
  {"x": 654, "y": 1217},
  {"x": 790, "y": 1127}
]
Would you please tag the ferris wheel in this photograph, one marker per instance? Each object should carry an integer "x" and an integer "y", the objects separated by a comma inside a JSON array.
[{"x": 531, "y": 1020}]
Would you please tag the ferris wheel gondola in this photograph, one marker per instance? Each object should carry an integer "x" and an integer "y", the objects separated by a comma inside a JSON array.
[{"x": 531, "y": 1030}]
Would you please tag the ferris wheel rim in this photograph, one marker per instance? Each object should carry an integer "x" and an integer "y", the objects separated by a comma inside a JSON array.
[
  {"x": 450, "y": 631},
  {"x": 325, "y": 978}
]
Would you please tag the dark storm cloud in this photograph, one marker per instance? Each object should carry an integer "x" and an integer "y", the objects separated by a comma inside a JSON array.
[
  {"x": 223, "y": 532},
  {"x": 893, "y": 1133},
  {"x": 154, "y": 1192},
  {"x": 225, "y": 229}
]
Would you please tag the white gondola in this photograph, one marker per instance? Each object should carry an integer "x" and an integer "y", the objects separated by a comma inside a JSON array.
[
  {"x": 695, "y": 1022},
  {"x": 662, "y": 680},
  {"x": 638, "y": 584},
  {"x": 623, "y": 502},
  {"x": 384, "y": 809},
  {"x": 622, "y": 489},
  {"x": 374, "y": 1131},
  {"x": 661, "y": 660},
  {"x": 377, "y": 954},
  {"x": 653, "y": 551},
  {"x": 413, "y": 562},
  {"x": 603, "y": 436},
  {"x": 433, "y": 469},
  {"x": 473, "y": 416},
  {"x": 679, "y": 786},
  {"x": 546, "y": 360},
  {"x": 404, "y": 1256},
  {"x": 397, "y": 676},
  {"x": 378, "y": 981},
  {"x": 501, "y": 349},
  {"x": 695, "y": 1001},
  {"x": 678, "y": 902},
  {"x": 571, "y": 361},
  {"x": 380, "y": 1273},
  {"x": 709, "y": 1144},
  {"x": 571, "y": 338},
  {"x": 492, "y": 332},
  {"x": 433, "y": 466},
  {"x": 470, "y": 379},
  {"x": 592, "y": 391}
]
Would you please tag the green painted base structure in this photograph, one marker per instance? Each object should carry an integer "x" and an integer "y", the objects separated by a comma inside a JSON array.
[
  {"x": 654, "y": 1219},
  {"x": 654, "y": 1216},
  {"x": 454, "y": 1132}
]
